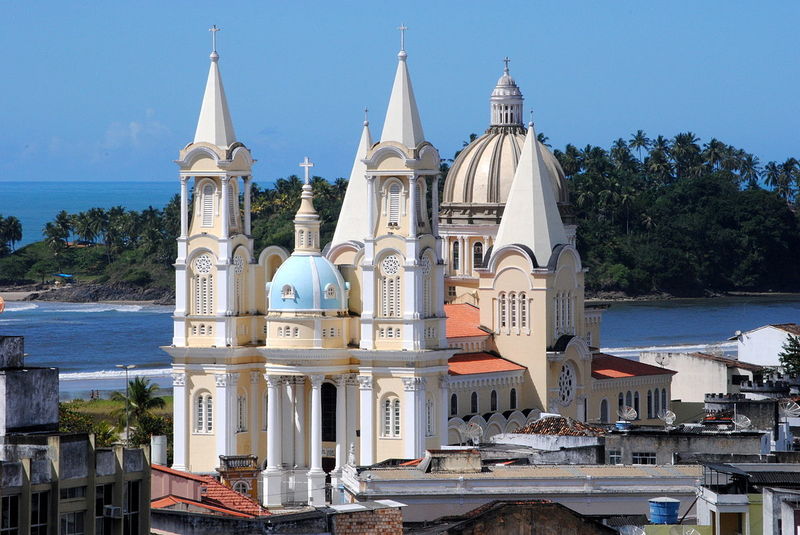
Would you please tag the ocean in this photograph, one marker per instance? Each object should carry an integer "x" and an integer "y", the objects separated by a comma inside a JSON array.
[{"x": 86, "y": 341}]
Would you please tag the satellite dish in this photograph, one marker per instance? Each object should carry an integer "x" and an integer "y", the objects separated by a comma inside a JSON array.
[
  {"x": 691, "y": 531},
  {"x": 632, "y": 530},
  {"x": 789, "y": 409},
  {"x": 667, "y": 416},
  {"x": 512, "y": 427},
  {"x": 474, "y": 433},
  {"x": 740, "y": 421},
  {"x": 462, "y": 431},
  {"x": 627, "y": 413}
]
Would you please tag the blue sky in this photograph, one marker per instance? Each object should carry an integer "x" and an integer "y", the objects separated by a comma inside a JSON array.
[{"x": 112, "y": 90}]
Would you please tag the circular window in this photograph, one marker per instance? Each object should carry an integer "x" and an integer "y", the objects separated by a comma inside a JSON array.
[
  {"x": 203, "y": 264},
  {"x": 238, "y": 264},
  {"x": 566, "y": 383},
  {"x": 390, "y": 266}
]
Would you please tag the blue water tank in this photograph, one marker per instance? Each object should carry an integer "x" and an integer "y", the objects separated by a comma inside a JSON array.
[{"x": 664, "y": 510}]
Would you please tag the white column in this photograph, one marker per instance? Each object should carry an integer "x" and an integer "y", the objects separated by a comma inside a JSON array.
[
  {"x": 248, "y": 186},
  {"x": 316, "y": 476},
  {"x": 444, "y": 407},
  {"x": 184, "y": 207},
  {"x": 222, "y": 424},
  {"x": 435, "y": 207},
  {"x": 288, "y": 420},
  {"x": 341, "y": 421},
  {"x": 413, "y": 216},
  {"x": 182, "y": 421},
  {"x": 225, "y": 207},
  {"x": 253, "y": 408},
  {"x": 272, "y": 476},
  {"x": 411, "y": 416},
  {"x": 352, "y": 407},
  {"x": 371, "y": 205},
  {"x": 299, "y": 421},
  {"x": 367, "y": 408}
]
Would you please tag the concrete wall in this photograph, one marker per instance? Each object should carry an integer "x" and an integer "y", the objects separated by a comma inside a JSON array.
[
  {"x": 545, "y": 442},
  {"x": 664, "y": 445},
  {"x": 695, "y": 377},
  {"x": 762, "y": 346},
  {"x": 28, "y": 400}
]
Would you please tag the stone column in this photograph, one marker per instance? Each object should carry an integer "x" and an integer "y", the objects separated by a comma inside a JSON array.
[
  {"x": 222, "y": 421},
  {"x": 435, "y": 208},
  {"x": 413, "y": 215},
  {"x": 352, "y": 407},
  {"x": 183, "y": 420},
  {"x": 412, "y": 416},
  {"x": 341, "y": 421},
  {"x": 288, "y": 420},
  {"x": 367, "y": 408},
  {"x": 248, "y": 183},
  {"x": 255, "y": 403},
  {"x": 225, "y": 209},
  {"x": 444, "y": 408},
  {"x": 272, "y": 476},
  {"x": 299, "y": 421},
  {"x": 316, "y": 476}
]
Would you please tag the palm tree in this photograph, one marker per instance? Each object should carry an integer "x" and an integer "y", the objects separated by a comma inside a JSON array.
[
  {"x": 639, "y": 141},
  {"x": 750, "y": 170},
  {"x": 12, "y": 231},
  {"x": 64, "y": 222},
  {"x": 543, "y": 139},
  {"x": 56, "y": 241},
  {"x": 713, "y": 153},
  {"x": 141, "y": 400},
  {"x": 105, "y": 434}
]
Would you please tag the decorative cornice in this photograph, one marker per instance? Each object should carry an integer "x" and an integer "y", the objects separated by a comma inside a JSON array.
[
  {"x": 364, "y": 382},
  {"x": 316, "y": 380},
  {"x": 178, "y": 379},
  {"x": 412, "y": 384}
]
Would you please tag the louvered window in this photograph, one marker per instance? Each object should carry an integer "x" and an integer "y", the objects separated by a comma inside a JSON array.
[
  {"x": 208, "y": 205},
  {"x": 503, "y": 312},
  {"x": 418, "y": 204},
  {"x": 512, "y": 298},
  {"x": 394, "y": 204},
  {"x": 523, "y": 311},
  {"x": 477, "y": 254},
  {"x": 233, "y": 206}
]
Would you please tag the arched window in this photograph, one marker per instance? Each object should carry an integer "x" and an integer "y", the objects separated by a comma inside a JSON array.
[
  {"x": 238, "y": 283},
  {"x": 604, "y": 411},
  {"x": 477, "y": 254},
  {"x": 656, "y": 402},
  {"x": 636, "y": 404},
  {"x": 429, "y": 423},
  {"x": 629, "y": 399},
  {"x": 456, "y": 263},
  {"x": 664, "y": 404},
  {"x": 473, "y": 403},
  {"x": 203, "y": 285},
  {"x": 297, "y": 332},
  {"x": 241, "y": 413},
  {"x": 503, "y": 312},
  {"x": 391, "y": 417},
  {"x": 207, "y": 205},
  {"x": 427, "y": 286},
  {"x": 390, "y": 287},
  {"x": 512, "y": 300},
  {"x": 301, "y": 238},
  {"x": 241, "y": 487},
  {"x": 453, "y": 404},
  {"x": 512, "y": 401},
  {"x": 493, "y": 401},
  {"x": 204, "y": 413},
  {"x": 649, "y": 403},
  {"x": 620, "y": 402},
  {"x": 420, "y": 197},
  {"x": 523, "y": 311},
  {"x": 233, "y": 206},
  {"x": 394, "y": 204},
  {"x": 330, "y": 291},
  {"x": 287, "y": 292}
]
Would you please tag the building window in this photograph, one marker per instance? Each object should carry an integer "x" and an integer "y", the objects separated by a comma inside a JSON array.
[
  {"x": 391, "y": 417},
  {"x": 233, "y": 206},
  {"x": 453, "y": 404},
  {"x": 473, "y": 403},
  {"x": 512, "y": 301},
  {"x": 238, "y": 283},
  {"x": 241, "y": 413},
  {"x": 72, "y": 493},
  {"x": 523, "y": 311},
  {"x": 203, "y": 285},
  {"x": 241, "y": 487},
  {"x": 103, "y": 495},
  {"x": 73, "y": 523},
  {"x": 455, "y": 257},
  {"x": 418, "y": 204},
  {"x": 614, "y": 457},
  {"x": 629, "y": 399},
  {"x": 664, "y": 404},
  {"x": 451, "y": 291},
  {"x": 643, "y": 457},
  {"x": 636, "y": 404},
  {"x": 390, "y": 287},
  {"x": 207, "y": 208},
  {"x": 287, "y": 292},
  {"x": 477, "y": 254},
  {"x": 503, "y": 312},
  {"x": 394, "y": 205},
  {"x": 649, "y": 403},
  {"x": 620, "y": 402},
  {"x": 9, "y": 515},
  {"x": 656, "y": 407},
  {"x": 330, "y": 291},
  {"x": 512, "y": 401},
  {"x": 40, "y": 507},
  {"x": 429, "y": 418},
  {"x": 427, "y": 286},
  {"x": 604, "y": 411},
  {"x": 130, "y": 509},
  {"x": 566, "y": 383},
  {"x": 204, "y": 413},
  {"x": 493, "y": 401}
]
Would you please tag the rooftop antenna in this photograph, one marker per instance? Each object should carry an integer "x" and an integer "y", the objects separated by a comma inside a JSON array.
[{"x": 668, "y": 417}]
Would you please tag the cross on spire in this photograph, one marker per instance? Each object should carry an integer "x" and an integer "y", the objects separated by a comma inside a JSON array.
[
  {"x": 506, "y": 61},
  {"x": 366, "y": 115},
  {"x": 402, "y": 29},
  {"x": 214, "y": 31},
  {"x": 306, "y": 163}
]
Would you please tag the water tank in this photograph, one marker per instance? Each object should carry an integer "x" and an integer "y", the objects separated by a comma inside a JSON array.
[
  {"x": 664, "y": 510},
  {"x": 158, "y": 449}
]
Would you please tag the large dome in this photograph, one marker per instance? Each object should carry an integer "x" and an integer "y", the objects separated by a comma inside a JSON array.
[
  {"x": 484, "y": 170},
  {"x": 307, "y": 283}
]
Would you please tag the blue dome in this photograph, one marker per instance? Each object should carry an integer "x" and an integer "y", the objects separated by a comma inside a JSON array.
[{"x": 307, "y": 282}]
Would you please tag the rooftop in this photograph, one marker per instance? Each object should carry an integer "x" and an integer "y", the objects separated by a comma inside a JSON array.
[
  {"x": 482, "y": 362},
  {"x": 558, "y": 425},
  {"x": 729, "y": 362},
  {"x": 606, "y": 366},
  {"x": 463, "y": 321}
]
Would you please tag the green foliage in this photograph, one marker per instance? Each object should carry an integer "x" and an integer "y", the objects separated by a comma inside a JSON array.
[
  {"x": 790, "y": 355},
  {"x": 151, "y": 425},
  {"x": 105, "y": 434},
  {"x": 141, "y": 401},
  {"x": 71, "y": 420}
]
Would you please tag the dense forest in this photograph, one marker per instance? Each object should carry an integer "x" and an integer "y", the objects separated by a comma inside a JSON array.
[{"x": 654, "y": 216}]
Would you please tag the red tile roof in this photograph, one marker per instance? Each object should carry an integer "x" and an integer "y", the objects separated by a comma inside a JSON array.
[
  {"x": 728, "y": 362},
  {"x": 611, "y": 367},
  {"x": 463, "y": 321},
  {"x": 558, "y": 425},
  {"x": 218, "y": 495},
  {"x": 791, "y": 328},
  {"x": 483, "y": 362},
  {"x": 169, "y": 501}
]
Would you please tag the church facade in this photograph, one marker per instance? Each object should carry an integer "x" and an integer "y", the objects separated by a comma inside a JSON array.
[{"x": 410, "y": 330}]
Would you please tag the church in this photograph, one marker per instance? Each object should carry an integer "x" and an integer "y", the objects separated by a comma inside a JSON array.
[{"x": 423, "y": 323}]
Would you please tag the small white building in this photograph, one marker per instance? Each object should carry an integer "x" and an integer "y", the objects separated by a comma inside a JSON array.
[{"x": 763, "y": 344}]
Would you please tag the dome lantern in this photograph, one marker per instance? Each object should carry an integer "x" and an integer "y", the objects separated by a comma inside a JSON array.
[{"x": 506, "y": 101}]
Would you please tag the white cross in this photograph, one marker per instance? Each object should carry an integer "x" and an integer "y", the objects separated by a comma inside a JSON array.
[
  {"x": 506, "y": 61},
  {"x": 214, "y": 31},
  {"x": 402, "y": 29},
  {"x": 307, "y": 164}
]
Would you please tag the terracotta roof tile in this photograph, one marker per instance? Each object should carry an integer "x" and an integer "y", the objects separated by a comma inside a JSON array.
[
  {"x": 730, "y": 363},
  {"x": 463, "y": 321},
  {"x": 611, "y": 367},
  {"x": 558, "y": 425},
  {"x": 483, "y": 362},
  {"x": 791, "y": 328},
  {"x": 169, "y": 501}
]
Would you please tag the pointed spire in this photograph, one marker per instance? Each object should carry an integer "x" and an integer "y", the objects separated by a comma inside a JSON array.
[
  {"x": 354, "y": 223},
  {"x": 531, "y": 199},
  {"x": 402, "y": 122},
  {"x": 215, "y": 125}
]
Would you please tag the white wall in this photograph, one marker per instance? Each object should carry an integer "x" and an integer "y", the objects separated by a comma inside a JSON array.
[
  {"x": 695, "y": 377},
  {"x": 762, "y": 346}
]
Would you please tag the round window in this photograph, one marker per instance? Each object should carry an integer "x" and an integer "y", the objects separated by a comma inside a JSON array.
[
  {"x": 203, "y": 264},
  {"x": 390, "y": 266},
  {"x": 566, "y": 383}
]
